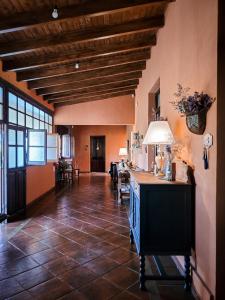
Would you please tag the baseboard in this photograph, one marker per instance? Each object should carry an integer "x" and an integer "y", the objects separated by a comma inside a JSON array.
[{"x": 199, "y": 288}]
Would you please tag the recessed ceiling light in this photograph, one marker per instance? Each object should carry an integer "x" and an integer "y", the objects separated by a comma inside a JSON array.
[
  {"x": 77, "y": 65},
  {"x": 55, "y": 13},
  {"x": 133, "y": 95}
]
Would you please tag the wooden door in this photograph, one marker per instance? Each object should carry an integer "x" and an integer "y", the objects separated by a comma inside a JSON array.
[
  {"x": 97, "y": 154},
  {"x": 16, "y": 173}
]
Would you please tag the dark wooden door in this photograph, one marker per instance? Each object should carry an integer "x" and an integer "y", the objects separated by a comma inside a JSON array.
[
  {"x": 97, "y": 154},
  {"x": 16, "y": 173}
]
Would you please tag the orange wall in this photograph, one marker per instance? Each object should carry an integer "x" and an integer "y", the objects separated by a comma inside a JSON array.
[
  {"x": 115, "y": 138},
  {"x": 114, "y": 111},
  {"x": 186, "y": 53},
  {"x": 40, "y": 179}
]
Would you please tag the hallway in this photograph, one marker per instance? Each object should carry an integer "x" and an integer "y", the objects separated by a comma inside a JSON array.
[{"x": 75, "y": 245}]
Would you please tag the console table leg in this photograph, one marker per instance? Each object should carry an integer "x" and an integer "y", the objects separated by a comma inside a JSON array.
[
  {"x": 187, "y": 273},
  {"x": 142, "y": 272},
  {"x": 131, "y": 237}
]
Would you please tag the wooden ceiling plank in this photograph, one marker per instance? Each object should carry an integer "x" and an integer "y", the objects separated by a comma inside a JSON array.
[
  {"x": 88, "y": 98},
  {"x": 86, "y": 35},
  {"x": 123, "y": 69},
  {"x": 88, "y": 83},
  {"x": 101, "y": 89},
  {"x": 24, "y": 20},
  {"x": 85, "y": 65},
  {"x": 65, "y": 56}
]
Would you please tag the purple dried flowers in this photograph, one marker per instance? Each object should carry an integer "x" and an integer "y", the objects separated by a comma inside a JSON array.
[{"x": 191, "y": 104}]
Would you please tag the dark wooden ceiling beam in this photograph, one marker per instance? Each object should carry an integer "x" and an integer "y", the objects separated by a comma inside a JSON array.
[
  {"x": 85, "y": 65},
  {"x": 21, "y": 21},
  {"x": 86, "y": 35},
  {"x": 88, "y": 83},
  {"x": 19, "y": 63},
  {"x": 88, "y": 98},
  {"x": 111, "y": 86},
  {"x": 104, "y": 72}
]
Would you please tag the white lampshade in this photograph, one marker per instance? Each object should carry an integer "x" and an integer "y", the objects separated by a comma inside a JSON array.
[
  {"x": 158, "y": 132},
  {"x": 123, "y": 152}
]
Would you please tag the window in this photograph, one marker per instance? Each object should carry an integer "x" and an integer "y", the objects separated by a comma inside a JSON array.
[
  {"x": 36, "y": 146},
  {"x": 66, "y": 146},
  {"x": 52, "y": 147},
  {"x": 23, "y": 113},
  {"x": 16, "y": 148}
]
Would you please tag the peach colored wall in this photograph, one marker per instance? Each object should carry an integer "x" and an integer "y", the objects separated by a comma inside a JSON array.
[
  {"x": 45, "y": 175},
  {"x": 115, "y": 138},
  {"x": 186, "y": 53},
  {"x": 40, "y": 179},
  {"x": 114, "y": 111}
]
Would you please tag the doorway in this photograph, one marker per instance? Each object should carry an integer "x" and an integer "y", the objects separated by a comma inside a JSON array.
[{"x": 97, "y": 153}]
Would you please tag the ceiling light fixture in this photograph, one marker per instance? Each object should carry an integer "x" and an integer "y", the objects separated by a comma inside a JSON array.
[
  {"x": 55, "y": 13},
  {"x": 133, "y": 95},
  {"x": 77, "y": 65}
]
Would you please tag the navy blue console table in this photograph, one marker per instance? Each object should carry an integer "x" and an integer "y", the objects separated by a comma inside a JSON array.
[{"x": 161, "y": 222}]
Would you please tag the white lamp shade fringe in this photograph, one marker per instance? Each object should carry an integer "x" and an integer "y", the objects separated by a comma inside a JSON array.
[{"x": 158, "y": 133}]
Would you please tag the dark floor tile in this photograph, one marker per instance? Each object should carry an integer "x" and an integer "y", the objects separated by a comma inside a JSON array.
[
  {"x": 75, "y": 295},
  {"x": 122, "y": 277},
  {"x": 100, "y": 289},
  {"x": 125, "y": 296},
  {"x": 61, "y": 265},
  {"x": 133, "y": 264},
  {"x": 45, "y": 256},
  {"x": 50, "y": 290},
  {"x": 33, "y": 277},
  {"x": 103, "y": 248},
  {"x": 21, "y": 296},
  {"x": 121, "y": 255},
  {"x": 16, "y": 267},
  {"x": 78, "y": 277},
  {"x": 9, "y": 287},
  {"x": 101, "y": 265},
  {"x": 145, "y": 295},
  {"x": 83, "y": 255},
  {"x": 173, "y": 292},
  {"x": 11, "y": 254},
  {"x": 31, "y": 248}
]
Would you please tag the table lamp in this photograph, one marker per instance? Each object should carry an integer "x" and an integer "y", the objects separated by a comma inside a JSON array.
[
  {"x": 159, "y": 133},
  {"x": 123, "y": 153}
]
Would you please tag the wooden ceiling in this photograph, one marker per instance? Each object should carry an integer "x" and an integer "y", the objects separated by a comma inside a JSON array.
[{"x": 110, "y": 39}]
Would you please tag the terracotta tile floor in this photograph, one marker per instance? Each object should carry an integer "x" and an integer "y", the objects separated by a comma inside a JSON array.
[{"x": 74, "y": 245}]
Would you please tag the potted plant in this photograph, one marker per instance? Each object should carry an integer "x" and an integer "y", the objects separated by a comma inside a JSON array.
[{"x": 193, "y": 107}]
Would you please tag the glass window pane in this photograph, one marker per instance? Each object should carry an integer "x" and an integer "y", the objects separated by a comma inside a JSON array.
[
  {"x": 52, "y": 154},
  {"x": 20, "y": 138},
  {"x": 46, "y": 118},
  {"x": 1, "y": 111},
  {"x": 36, "y": 124},
  {"x": 42, "y": 125},
  {"x": 36, "y": 154},
  {"x": 12, "y": 157},
  {"x": 12, "y": 137},
  {"x": 20, "y": 157},
  {"x": 42, "y": 115},
  {"x": 37, "y": 138},
  {"x": 12, "y": 100},
  {"x": 29, "y": 109},
  {"x": 50, "y": 120},
  {"x": 50, "y": 129},
  {"x": 21, "y": 105},
  {"x": 21, "y": 119},
  {"x": 46, "y": 126},
  {"x": 52, "y": 140},
  {"x": 29, "y": 122},
  {"x": 66, "y": 145},
  {"x": 36, "y": 112},
  {"x": 1, "y": 95},
  {"x": 12, "y": 116}
]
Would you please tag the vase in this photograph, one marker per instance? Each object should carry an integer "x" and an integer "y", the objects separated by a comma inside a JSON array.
[{"x": 196, "y": 122}]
